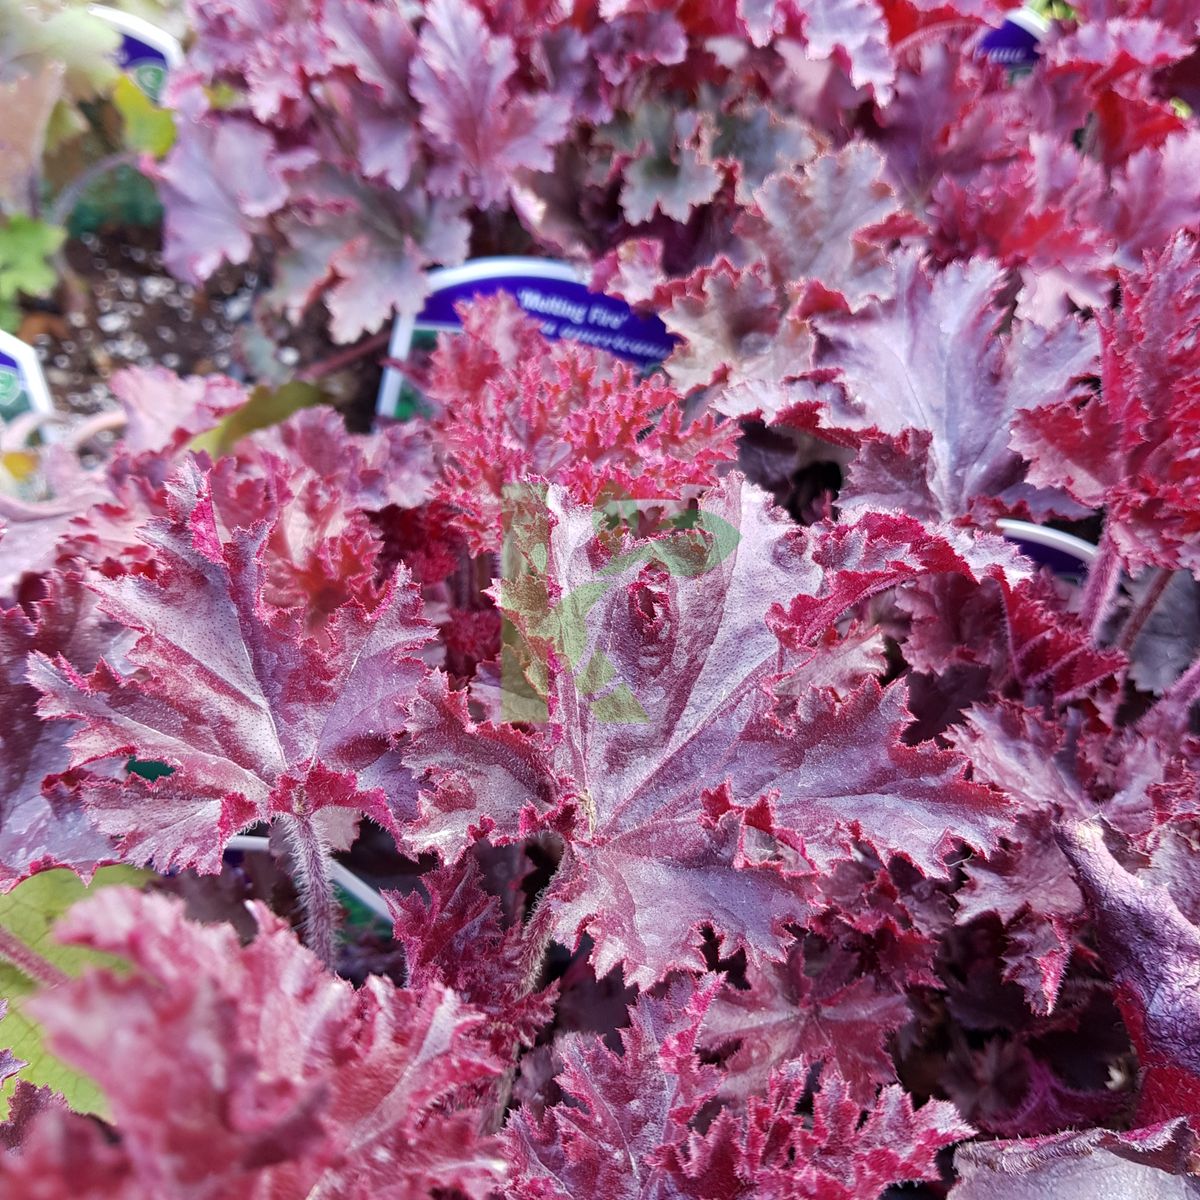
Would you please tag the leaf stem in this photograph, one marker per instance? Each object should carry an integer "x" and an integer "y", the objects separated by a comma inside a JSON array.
[
  {"x": 29, "y": 962},
  {"x": 535, "y": 943},
  {"x": 1184, "y": 692},
  {"x": 1140, "y": 614},
  {"x": 343, "y": 358},
  {"x": 1103, "y": 576},
  {"x": 314, "y": 882}
]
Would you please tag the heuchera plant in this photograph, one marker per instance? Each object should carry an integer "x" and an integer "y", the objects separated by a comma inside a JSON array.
[{"x": 753, "y": 820}]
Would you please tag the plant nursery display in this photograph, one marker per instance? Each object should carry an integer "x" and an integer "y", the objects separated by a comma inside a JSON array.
[{"x": 600, "y": 599}]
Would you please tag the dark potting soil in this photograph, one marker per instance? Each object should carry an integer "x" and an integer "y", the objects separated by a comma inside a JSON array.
[{"x": 119, "y": 307}]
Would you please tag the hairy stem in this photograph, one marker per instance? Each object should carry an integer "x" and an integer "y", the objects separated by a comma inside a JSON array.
[
  {"x": 29, "y": 962},
  {"x": 931, "y": 33},
  {"x": 1103, "y": 576},
  {"x": 314, "y": 882},
  {"x": 1184, "y": 692},
  {"x": 1150, "y": 597},
  {"x": 335, "y": 362},
  {"x": 535, "y": 943}
]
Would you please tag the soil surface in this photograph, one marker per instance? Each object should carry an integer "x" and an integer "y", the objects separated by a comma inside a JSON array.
[{"x": 119, "y": 307}]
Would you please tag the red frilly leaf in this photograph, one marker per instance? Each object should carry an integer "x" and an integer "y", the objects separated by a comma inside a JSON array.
[
  {"x": 254, "y": 719},
  {"x": 1153, "y": 954},
  {"x": 257, "y": 1071},
  {"x": 41, "y": 822},
  {"x": 682, "y": 791}
]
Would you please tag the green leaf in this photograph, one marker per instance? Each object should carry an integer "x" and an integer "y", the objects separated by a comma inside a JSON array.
[
  {"x": 10, "y": 316},
  {"x": 121, "y": 197},
  {"x": 28, "y": 913},
  {"x": 359, "y": 917},
  {"x": 1055, "y": 10},
  {"x": 619, "y": 707},
  {"x": 84, "y": 44},
  {"x": 224, "y": 96},
  {"x": 26, "y": 245},
  {"x": 148, "y": 769},
  {"x": 147, "y": 127},
  {"x": 267, "y": 406}
]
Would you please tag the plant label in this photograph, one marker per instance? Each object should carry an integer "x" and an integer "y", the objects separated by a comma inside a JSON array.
[
  {"x": 552, "y": 292},
  {"x": 1065, "y": 554},
  {"x": 22, "y": 384},
  {"x": 146, "y": 53},
  {"x": 1017, "y": 43}
]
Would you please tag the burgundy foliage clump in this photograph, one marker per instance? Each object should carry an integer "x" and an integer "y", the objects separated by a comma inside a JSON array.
[{"x": 753, "y": 819}]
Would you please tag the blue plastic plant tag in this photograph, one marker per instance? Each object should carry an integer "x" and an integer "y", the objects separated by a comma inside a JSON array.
[
  {"x": 146, "y": 52},
  {"x": 1059, "y": 561},
  {"x": 551, "y": 292},
  {"x": 22, "y": 384},
  {"x": 1065, "y": 554},
  {"x": 1017, "y": 43}
]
